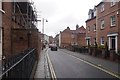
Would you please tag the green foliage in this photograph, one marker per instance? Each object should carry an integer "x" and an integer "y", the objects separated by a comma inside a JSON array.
[
  {"x": 102, "y": 47},
  {"x": 118, "y": 52}
]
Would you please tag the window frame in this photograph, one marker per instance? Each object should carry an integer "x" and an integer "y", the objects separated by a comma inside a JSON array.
[
  {"x": 102, "y": 8},
  {"x": 88, "y": 28},
  {"x": 102, "y": 41},
  {"x": 95, "y": 40},
  {"x": 102, "y": 24},
  {"x": 112, "y": 21},
  {"x": 94, "y": 27},
  {"x": 112, "y": 3}
]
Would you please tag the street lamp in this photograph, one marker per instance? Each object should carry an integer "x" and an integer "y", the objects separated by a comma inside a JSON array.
[
  {"x": 43, "y": 21},
  {"x": 42, "y": 36}
]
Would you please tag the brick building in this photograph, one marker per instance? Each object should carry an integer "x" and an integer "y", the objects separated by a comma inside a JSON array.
[
  {"x": 81, "y": 34},
  {"x": 69, "y": 37},
  {"x": 91, "y": 27},
  {"x": 19, "y": 28},
  {"x": 65, "y": 38},
  {"x": 107, "y": 25}
]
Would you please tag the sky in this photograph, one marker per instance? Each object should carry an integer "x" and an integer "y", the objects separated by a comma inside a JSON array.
[{"x": 62, "y": 13}]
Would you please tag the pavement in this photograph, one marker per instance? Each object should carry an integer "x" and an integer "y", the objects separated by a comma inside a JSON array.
[
  {"x": 106, "y": 64},
  {"x": 42, "y": 70}
]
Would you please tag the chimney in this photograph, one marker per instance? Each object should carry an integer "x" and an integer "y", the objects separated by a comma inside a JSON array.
[
  {"x": 77, "y": 26},
  {"x": 68, "y": 28}
]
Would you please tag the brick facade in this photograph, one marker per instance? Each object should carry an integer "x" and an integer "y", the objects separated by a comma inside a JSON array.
[
  {"x": 91, "y": 31},
  {"x": 7, "y": 29},
  {"x": 107, "y": 25},
  {"x": 18, "y": 32},
  {"x": 110, "y": 32},
  {"x": 68, "y": 38}
]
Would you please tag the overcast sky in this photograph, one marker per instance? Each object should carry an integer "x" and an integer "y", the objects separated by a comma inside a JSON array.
[{"x": 63, "y": 13}]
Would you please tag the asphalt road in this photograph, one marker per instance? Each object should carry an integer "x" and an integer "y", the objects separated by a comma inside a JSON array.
[{"x": 67, "y": 66}]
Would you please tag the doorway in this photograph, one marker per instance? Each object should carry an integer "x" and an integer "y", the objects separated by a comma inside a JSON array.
[{"x": 113, "y": 42}]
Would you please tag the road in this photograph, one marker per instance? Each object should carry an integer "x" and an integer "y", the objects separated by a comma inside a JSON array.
[{"x": 67, "y": 66}]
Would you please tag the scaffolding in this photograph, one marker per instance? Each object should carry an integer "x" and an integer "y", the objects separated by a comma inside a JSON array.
[{"x": 24, "y": 13}]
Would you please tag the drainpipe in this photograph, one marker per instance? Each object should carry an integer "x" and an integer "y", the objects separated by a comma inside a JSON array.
[{"x": 97, "y": 25}]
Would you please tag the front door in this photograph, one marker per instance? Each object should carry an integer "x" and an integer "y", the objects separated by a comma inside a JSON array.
[{"x": 113, "y": 42}]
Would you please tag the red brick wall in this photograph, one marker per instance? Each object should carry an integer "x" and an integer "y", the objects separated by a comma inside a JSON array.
[
  {"x": 66, "y": 39},
  {"x": 81, "y": 39},
  {"x": 23, "y": 39},
  {"x": 7, "y": 7},
  {"x": 14, "y": 40},
  {"x": 106, "y": 14},
  {"x": 91, "y": 33}
]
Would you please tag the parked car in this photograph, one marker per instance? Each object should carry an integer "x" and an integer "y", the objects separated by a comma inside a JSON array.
[{"x": 53, "y": 47}]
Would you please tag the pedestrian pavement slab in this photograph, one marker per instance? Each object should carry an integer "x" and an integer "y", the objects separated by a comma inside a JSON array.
[{"x": 42, "y": 66}]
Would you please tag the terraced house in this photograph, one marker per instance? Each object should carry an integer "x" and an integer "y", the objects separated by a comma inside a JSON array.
[
  {"x": 103, "y": 25},
  {"x": 68, "y": 37}
]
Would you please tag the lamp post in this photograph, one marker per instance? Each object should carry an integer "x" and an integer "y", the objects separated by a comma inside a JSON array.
[{"x": 43, "y": 45}]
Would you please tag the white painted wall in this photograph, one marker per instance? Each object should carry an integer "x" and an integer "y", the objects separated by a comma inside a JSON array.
[
  {"x": 46, "y": 38},
  {"x": 59, "y": 39}
]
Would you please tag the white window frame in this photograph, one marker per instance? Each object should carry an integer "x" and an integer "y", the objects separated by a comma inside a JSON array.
[
  {"x": 94, "y": 27},
  {"x": 89, "y": 40},
  {"x": 88, "y": 29},
  {"x": 102, "y": 24},
  {"x": 102, "y": 7},
  {"x": 113, "y": 2},
  {"x": 102, "y": 41},
  {"x": 112, "y": 20}
]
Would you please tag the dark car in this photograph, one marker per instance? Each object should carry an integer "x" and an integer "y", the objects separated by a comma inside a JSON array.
[{"x": 53, "y": 47}]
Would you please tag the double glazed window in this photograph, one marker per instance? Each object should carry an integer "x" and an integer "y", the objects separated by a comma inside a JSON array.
[
  {"x": 102, "y": 40},
  {"x": 88, "y": 28},
  {"x": 102, "y": 24},
  {"x": 112, "y": 20},
  {"x": 102, "y": 8},
  {"x": 112, "y": 3},
  {"x": 94, "y": 27}
]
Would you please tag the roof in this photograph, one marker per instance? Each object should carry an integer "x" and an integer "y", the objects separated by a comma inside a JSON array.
[
  {"x": 90, "y": 11},
  {"x": 79, "y": 30},
  {"x": 99, "y": 3},
  {"x": 90, "y": 19}
]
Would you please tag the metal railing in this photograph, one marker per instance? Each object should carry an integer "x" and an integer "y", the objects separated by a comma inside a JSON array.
[
  {"x": 19, "y": 66},
  {"x": 80, "y": 49}
]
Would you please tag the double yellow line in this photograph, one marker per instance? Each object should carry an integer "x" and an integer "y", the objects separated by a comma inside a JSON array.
[{"x": 52, "y": 71}]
